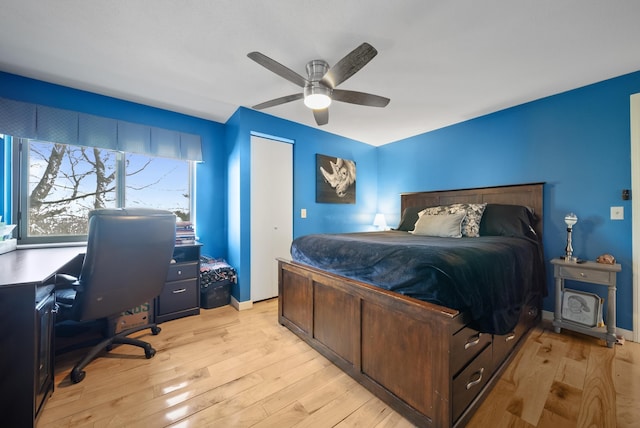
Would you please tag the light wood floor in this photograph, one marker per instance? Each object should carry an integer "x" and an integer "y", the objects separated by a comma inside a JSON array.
[{"x": 226, "y": 368}]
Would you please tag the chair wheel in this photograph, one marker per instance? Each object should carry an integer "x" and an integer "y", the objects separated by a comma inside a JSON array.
[
  {"x": 149, "y": 353},
  {"x": 155, "y": 330},
  {"x": 77, "y": 375}
]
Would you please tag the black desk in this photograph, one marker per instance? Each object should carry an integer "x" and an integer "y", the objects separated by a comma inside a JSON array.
[{"x": 26, "y": 329}]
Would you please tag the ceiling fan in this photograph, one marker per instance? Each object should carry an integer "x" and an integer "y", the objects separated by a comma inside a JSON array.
[{"x": 319, "y": 87}]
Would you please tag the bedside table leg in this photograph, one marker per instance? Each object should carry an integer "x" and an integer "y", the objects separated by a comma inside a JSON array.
[
  {"x": 612, "y": 339},
  {"x": 557, "y": 315}
]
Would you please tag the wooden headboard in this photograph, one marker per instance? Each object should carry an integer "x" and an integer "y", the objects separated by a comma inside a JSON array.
[{"x": 528, "y": 195}]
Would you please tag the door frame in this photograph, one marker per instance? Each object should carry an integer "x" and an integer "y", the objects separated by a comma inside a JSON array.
[{"x": 635, "y": 207}]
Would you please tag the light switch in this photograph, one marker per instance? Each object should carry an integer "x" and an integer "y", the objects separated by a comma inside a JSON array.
[
  {"x": 303, "y": 213},
  {"x": 617, "y": 213}
]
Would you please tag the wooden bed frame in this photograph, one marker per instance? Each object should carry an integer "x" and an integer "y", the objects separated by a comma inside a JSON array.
[{"x": 420, "y": 358}]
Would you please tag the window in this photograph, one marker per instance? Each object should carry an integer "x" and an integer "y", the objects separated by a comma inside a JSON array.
[
  {"x": 59, "y": 184},
  {"x": 158, "y": 183}
]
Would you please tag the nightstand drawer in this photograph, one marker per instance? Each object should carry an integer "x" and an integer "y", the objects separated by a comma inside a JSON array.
[
  {"x": 586, "y": 275},
  {"x": 178, "y": 271}
]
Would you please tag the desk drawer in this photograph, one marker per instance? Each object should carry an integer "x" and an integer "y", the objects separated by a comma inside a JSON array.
[
  {"x": 178, "y": 296},
  {"x": 179, "y": 271},
  {"x": 586, "y": 275},
  {"x": 470, "y": 381},
  {"x": 466, "y": 344}
]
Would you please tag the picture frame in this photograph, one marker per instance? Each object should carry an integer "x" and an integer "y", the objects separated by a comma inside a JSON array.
[
  {"x": 582, "y": 308},
  {"x": 335, "y": 180}
]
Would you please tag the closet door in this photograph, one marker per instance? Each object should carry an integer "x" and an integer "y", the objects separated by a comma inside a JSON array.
[{"x": 271, "y": 213}]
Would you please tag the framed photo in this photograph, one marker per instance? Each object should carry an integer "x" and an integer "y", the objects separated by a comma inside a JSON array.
[
  {"x": 582, "y": 308},
  {"x": 335, "y": 180}
]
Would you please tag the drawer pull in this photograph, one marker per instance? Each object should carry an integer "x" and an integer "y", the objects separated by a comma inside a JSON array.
[
  {"x": 472, "y": 341},
  {"x": 510, "y": 337},
  {"x": 179, "y": 290},
  {"x": 582, "y": 274},
  {"x": 179, "y": 272},
  {"x": 473, "y": 383}
]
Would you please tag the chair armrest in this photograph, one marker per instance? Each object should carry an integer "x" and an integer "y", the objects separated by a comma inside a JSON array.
[{"x": 64, "y": 280}]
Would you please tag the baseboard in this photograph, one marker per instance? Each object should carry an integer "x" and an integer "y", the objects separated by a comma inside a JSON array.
[
  {"x": 627, "y": 334},
  {"x": 241, "y": 306}
]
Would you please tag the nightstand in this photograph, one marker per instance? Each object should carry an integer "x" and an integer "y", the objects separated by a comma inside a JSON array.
[{"x": 594, "y": 273}]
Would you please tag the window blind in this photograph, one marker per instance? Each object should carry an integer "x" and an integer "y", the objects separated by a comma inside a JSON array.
[{"x": 34, "y": 121}]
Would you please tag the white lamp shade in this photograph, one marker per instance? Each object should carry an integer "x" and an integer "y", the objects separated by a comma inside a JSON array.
[{"x": 380, "y": 221}]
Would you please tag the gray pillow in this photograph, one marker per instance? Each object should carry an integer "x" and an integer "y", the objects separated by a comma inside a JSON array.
[{"x": 442, "y": 225}]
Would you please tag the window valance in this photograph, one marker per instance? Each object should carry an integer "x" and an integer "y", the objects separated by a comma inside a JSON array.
[{"x": 26, "y": 120}]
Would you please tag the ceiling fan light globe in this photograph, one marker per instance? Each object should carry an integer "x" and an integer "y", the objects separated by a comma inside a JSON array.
[{"x": 317, "y": 101}]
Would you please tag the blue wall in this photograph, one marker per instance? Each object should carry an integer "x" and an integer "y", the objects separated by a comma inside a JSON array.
[
  {"x": 577, "y": 142},
  {"x": 211, "y": 174},
  {"x": 321, "y": 218}
]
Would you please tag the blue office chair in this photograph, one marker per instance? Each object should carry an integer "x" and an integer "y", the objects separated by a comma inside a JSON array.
[{"x": 125, "y": 265}]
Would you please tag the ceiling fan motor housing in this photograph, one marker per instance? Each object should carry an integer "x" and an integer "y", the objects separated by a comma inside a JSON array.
[{"x": 316, "y": 70}]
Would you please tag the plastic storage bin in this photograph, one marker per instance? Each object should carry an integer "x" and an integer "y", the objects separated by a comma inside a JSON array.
[{"x": 215, "y": 295}]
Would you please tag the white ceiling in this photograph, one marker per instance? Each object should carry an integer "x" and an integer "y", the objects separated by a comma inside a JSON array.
[{"x": 440, "y": 62}]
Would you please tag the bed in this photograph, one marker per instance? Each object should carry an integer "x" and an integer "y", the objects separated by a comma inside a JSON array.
[{"x": 432, "y": 359}]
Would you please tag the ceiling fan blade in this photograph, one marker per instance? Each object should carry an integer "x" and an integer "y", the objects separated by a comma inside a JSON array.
[
  {"x": 321, "y": 116},
  {"x": 349, "y": 65},
  {"x": 278, "y": 68},
  {"x": 361, "y": 98},
  {"x": 278, "y": 101}
]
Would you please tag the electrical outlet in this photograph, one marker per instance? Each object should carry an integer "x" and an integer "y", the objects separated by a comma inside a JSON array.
[
  {"x": 617, "y": 213},
  {"x": 303, "y": 213}
]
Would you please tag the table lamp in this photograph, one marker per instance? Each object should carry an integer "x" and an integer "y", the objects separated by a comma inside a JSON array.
[
  {"x": 570, "y": 219},
  {"x": 380, "y": 221}
]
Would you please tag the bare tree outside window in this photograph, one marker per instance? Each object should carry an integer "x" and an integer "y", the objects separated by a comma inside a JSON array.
[{"x": 66, "y": 182}]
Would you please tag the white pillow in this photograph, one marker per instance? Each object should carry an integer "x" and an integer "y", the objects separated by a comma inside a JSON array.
[{"x": 442, "y": 225}]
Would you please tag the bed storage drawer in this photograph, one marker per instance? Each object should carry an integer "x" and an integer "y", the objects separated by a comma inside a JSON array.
[
  {"x": 504, "y": 344},
  {"x": 471, "y": 380},
  {"x": 466, "y": 344}
]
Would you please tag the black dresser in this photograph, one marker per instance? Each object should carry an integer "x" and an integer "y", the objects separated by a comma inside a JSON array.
[{"x": 181, "y": 294}]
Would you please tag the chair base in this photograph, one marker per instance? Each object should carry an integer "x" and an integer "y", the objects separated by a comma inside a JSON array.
[{"x": 78, "y": 373}]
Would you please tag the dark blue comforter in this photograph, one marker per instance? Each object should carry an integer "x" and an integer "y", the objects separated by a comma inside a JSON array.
[{"x": 488, "y": 276}]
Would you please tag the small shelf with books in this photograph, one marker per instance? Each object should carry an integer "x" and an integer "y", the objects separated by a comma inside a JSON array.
[{"x": 185, "y": 233}]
